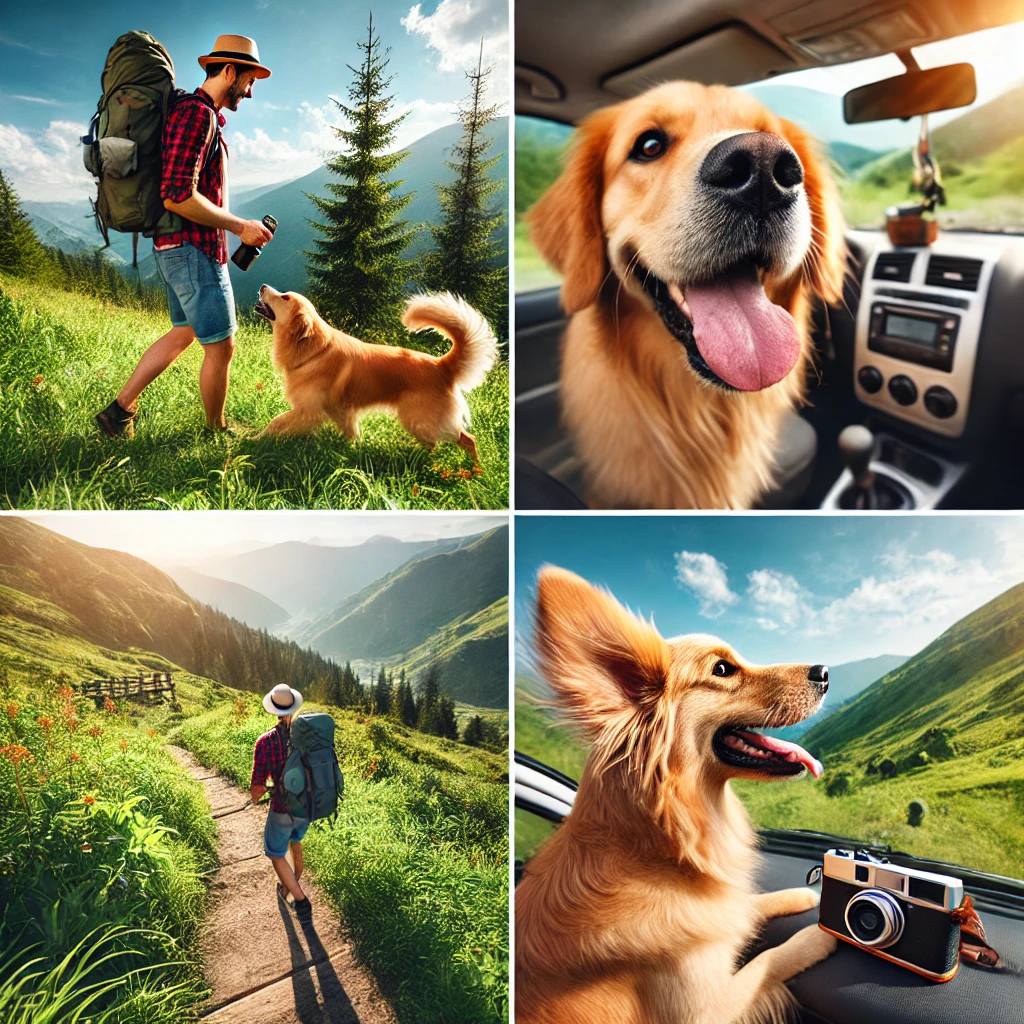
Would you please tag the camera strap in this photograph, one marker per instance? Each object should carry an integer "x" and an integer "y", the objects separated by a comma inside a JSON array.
[{"x": 974, "y": 947}]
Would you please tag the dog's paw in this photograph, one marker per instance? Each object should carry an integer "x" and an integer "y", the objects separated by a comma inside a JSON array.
[
  {"x": 809, "y": 899},
  {"x": 812, "y": 945}
]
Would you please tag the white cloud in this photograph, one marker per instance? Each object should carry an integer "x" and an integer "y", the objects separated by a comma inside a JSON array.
[
  {"x": 705, "y": 577},
  {"x": 780, "y": 600},
  {"x": 46, "y": 166},
  {"x": 455, "y": 29},
  {"x": 34, "y": 99}
]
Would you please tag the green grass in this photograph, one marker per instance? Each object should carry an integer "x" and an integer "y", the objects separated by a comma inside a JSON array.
[
  {"x": 104, "y": 843},
  {"x": 416, "y": 864},
  {"x": 63, "y": 356}
]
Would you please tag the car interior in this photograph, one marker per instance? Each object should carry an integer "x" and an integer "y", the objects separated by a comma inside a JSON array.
[
  {"x": 852, "y": 986},
  {"x": 917, "y": 397}
]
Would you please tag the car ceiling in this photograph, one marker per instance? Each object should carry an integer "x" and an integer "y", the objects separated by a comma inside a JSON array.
[{"x": 573, "y": 56}]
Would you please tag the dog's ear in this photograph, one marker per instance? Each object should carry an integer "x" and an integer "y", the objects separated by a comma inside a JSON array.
[
  {"x": 302, "y": 324},
  {"x": 600, "y": 659},
  {"x": 565, "y": 223},
  {"x": 825, "y": 265}
]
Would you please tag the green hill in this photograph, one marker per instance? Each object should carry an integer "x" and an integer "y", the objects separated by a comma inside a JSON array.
[
  {"x": 945, "y": 728},
  {"x": 426, "y": 609}
]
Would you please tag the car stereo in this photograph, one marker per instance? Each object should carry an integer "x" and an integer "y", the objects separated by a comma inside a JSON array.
[{"x": 914, "y": 335}]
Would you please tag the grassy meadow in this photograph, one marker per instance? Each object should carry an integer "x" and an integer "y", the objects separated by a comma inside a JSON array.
[
  {"x": 64, "y": 355},
  {"x": 106, "y": 844}
]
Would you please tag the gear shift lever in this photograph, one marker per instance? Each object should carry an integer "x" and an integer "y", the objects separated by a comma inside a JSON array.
[
  {"x": 869, "y": 490},
  {"x": 857, "y": 445}
]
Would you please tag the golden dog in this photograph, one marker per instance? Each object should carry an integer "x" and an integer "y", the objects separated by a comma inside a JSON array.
[
  {"x": 329, "y": 375},
  {"x": 690, "y": 227},
  {"x": 638, "y": 908}
]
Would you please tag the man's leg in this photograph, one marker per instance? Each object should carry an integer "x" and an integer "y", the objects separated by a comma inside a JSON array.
[
  {"x": 287, "y": 876},
  {"x": 296, "y": 849},
  {"x": 213, "y": 380},
  {"x": 154, "y": 361}
]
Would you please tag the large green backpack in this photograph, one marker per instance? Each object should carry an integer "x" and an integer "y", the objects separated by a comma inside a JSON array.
[
  {"x": 123, "y": 147},
  {"x": 311, "y": 780}
]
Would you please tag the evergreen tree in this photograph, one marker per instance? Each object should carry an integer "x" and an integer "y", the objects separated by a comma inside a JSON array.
[
  {"x": 443, "y": 721},
  {"x": 357, "y": 271},
  {"x": 382, "y": 694},
  {"x": 21, "y": 252},
  {"x": 430, "y": 693},
  {"x": 466, "y": 259},
  {"x": 473, "y": 734},
  {"x": 408, "y": 701}
]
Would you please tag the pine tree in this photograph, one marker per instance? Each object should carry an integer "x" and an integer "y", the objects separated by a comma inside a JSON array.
[
  {"x": 357, "y": 270},
  {"x": 430, "y": 693},
  {"x": 21, "y": 252},
  {"x": 408, "y": 703},
  {"x": 382, "y": 694},
  {"x": 473, "y": 734},
  {"x": 466, "y": 259}
]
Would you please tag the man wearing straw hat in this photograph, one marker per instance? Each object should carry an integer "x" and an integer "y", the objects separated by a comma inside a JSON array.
[
  {"x": 283, "y": 832},
  {"x": 192, "y": 262}
]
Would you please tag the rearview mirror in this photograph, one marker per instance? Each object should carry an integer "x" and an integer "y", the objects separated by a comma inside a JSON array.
[{"x": 916, "y": 92}]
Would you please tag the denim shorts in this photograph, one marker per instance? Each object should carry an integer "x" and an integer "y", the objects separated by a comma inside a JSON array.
[
  {"x": 198, "y": 292},
  {"x": 280, "y": 830}
]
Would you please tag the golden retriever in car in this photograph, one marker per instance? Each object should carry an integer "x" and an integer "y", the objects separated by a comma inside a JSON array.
[
  {"x": 691, "y": 227},
  {"x": 638, "y": 908},
  {"x": 329, "y": 375}
]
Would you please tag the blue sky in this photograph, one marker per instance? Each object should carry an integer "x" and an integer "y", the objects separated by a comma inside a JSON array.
[
  {"x": 52, "y": 54},
  {"x": 784, "y": 588}
]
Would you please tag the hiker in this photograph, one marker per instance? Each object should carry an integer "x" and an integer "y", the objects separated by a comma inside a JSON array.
[
  {"x": 192, "y": 262},
  {"x": 283, "y": 831}
]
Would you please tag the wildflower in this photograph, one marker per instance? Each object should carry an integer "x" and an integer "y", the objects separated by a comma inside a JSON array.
[
  {"x": 124, "y": 746},
  {"x": 88, "y": 800},
  {"x": 464, "y": 474},
  {"x": 75, "y": 756},
  {"x": 415, "y": 490},
  {"x": 95, "y": 732},
  {"x": 109, "y": 706},
  {"x": 36, "y": 381},
  {"x": 17, "y": 754},
  {"x": 86, "y": 847},
  {"x": 46, "y": 724},
  {"x": 66, "y": 693},
  {"x": 259, "y": 385},
  {"x": 71, "y": 723},
  {"x": 12, "y": 710},
  {"x": 151, "y": 734}
]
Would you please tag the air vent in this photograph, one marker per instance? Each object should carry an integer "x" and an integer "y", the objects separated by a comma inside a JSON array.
[
  {"x": 953, "y": 272},
  {"x": 894, "y": 266}
]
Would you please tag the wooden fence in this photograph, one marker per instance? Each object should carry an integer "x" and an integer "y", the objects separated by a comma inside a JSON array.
[{"x": 141, "y": 688}]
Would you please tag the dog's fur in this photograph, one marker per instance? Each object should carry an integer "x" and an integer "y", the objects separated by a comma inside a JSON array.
[
  {"x": 331, "y": 375},
  {"x": 650, "y": 431},
  {"x": 638, "y": 908}
]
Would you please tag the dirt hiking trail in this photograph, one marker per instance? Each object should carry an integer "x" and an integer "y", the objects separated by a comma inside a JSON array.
[{"x": 263, "y": 965}]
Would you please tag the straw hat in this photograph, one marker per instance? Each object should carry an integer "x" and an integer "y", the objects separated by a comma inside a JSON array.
[
  {"x": 282, "y": 700},
  {"x": 239, "y": 50}
]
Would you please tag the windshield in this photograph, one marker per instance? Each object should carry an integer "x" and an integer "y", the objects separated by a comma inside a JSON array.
[
  {"x": 980, "y": 148},
  {"x": 921, "y": 733}
]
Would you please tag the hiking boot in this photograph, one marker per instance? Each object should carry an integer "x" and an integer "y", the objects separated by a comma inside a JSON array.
[
  {"x": 115, "y": 421},
  {"x": 303, "y": 909}
]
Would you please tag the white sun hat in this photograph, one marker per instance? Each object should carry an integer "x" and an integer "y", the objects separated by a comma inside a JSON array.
[{"x": 282, "y": 700}]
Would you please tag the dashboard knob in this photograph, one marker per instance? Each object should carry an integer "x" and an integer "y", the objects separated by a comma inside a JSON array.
[
  {"x": 940, "y": 402},
  {"x": 870, "y": 379},
  {"x": 903, "y": 389}
]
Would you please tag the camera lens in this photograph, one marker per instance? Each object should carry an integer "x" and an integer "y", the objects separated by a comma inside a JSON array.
[{"x": 874, "y": 918}]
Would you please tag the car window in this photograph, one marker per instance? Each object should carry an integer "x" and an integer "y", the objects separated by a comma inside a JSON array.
[{"x": 980, "y": 148}]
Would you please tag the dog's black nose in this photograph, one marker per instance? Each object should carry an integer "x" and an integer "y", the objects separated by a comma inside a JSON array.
[
  {"x": 819, "y": 674},
  {"x": 755, "y": 172}
]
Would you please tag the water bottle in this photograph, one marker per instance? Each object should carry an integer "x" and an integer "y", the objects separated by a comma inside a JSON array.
[{"x": 243, "y": 256}]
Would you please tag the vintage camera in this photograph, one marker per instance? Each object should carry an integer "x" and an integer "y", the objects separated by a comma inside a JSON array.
[{"x": 900, "y": 914}]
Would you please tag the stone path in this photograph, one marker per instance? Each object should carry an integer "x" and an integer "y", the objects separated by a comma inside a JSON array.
[{"x": 263, "y": 965}]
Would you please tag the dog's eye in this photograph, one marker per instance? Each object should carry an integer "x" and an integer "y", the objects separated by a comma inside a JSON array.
[
  {"x": 649, "y": 146},
  {"x": 724, "y": 668}
]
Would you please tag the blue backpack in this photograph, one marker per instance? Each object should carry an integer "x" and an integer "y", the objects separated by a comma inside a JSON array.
[{"x": 311, "y": 780}]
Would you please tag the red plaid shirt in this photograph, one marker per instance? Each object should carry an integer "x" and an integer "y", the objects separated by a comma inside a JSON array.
[
  {"x": 268, "y": 763},
  {"x": 188, "y": 163}
]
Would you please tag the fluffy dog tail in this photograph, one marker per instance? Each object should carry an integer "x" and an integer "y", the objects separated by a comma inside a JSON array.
[{"x": 474, "y": 347}]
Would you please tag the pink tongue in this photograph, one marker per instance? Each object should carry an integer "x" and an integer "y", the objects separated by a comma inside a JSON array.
[
  {"x": 746, "y": 339},
  {"x": 784, "y": 749}
]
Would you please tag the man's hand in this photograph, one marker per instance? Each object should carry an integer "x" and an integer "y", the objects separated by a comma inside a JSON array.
[
  {"x": 255, "y": 232},
  {"x": 256, "y": 791}
]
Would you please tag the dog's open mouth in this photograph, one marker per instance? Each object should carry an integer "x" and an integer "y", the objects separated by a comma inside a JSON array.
[
  {"x": 263, "y": 310},
  {"x": 744, "y": 748},
  {"x": 734, "y": 335}
]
